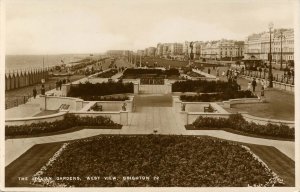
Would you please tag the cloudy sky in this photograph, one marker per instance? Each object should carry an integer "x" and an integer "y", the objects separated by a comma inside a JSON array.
[{"x": 93, "y": 26}]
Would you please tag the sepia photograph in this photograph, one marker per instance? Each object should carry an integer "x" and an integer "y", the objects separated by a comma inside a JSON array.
[{"x": 149, "y": 95}]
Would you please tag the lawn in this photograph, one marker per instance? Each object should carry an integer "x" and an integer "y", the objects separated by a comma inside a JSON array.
[
  {"x": 176, "y": 160},
  {"x": 162, "y": 62},
  {"x": 277, "y": 161},
  {"x": 28, "y": 164}
]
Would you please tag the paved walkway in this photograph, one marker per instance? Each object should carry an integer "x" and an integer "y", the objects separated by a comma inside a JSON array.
[
  {"x": 153, "y": 112},
  {"x": 280, "y": 104}
]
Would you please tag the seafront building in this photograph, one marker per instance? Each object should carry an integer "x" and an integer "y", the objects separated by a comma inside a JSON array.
[
  {"x": 222, "y": 50},
  {"x": 150, "y": 51},
  {"x": 257, "y": 46}
]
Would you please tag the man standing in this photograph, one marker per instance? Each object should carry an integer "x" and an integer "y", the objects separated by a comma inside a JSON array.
[
  {"x": 34, "y": 92},
  {"x": 43, "y": 91},
  {"x": 253, "y": 84}
]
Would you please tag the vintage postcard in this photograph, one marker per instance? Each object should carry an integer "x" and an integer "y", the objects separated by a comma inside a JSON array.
[{"x": 149, "y": 95}]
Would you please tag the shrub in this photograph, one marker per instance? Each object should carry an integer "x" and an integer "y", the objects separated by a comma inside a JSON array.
[
  {"x": 237, "y": 122},
  {"x": 217, "y": 96},
  {"x": 100, "y": 89},
  {"x": 69, "y": 121},
  {"x": 108, "y": 74},
  {"x": 156, "y": 72},
  {"x": 203, "y": 86}
]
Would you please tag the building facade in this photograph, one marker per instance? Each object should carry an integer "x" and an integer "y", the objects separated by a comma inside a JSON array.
[
  {"x": 159, "y": 50},
  {"x": 222, "y": 50},
  {"x": 150, "y": 51},
  {"x": 258, "y": 45},
  {"x": 176, "y": 49}
]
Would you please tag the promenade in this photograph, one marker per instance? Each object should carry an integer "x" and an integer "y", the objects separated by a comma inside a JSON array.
[{"x": 276, "y": 100}]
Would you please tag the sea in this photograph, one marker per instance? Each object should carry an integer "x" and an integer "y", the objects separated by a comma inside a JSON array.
[{"x": 28, "y": 62}]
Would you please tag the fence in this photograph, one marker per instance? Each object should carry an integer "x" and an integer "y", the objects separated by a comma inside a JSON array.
[{"x": 264, "y": 75}]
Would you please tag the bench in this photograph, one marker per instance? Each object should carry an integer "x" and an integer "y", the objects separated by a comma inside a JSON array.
[{"x": 209, "y": 109}]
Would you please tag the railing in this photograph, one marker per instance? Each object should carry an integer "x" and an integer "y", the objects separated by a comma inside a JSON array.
[
  {"x": 264, "y": 75},
  {"x": 14, "y": 101}
]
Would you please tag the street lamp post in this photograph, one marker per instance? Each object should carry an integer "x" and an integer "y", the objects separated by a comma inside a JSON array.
[
  {"x": 281, "y": 36},
  {"x": 270, "y": 57}
]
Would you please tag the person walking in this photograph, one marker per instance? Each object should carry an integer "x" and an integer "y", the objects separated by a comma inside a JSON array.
[
  {"x": 253, "y": 84},
  {"x": 57, "y": 85},
  {"x": 60, "y": 84},
  {"x": 34, "y": 91},
  {"x": 43, "y": 91},
  {"x": 249, "y": 86}
]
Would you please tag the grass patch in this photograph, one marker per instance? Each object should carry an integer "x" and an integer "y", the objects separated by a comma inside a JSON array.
[{"x": 28, "y": 164}]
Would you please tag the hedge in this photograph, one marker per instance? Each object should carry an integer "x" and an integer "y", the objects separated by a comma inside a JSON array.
[
  {"x": 69, "y": 121},
  {"x": 100, "y": 89},
  {"x": 217, "y": 96},
  {"x": 108, "y": 74},
  {"x": 237, "y": 122},
  {"x": 158, "y": 72},
  {"x": 203, "y": 86}
]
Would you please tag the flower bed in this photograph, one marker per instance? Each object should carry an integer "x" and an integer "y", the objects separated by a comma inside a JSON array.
[
  {"x": 217, "y": 96},
  {"x": 203, "y": 86},
  {"x": 168, "y": 161},
  {"x": 138, "y": 73},
  {"x": 108, "y": 74},
  {"x": 237, "y": 122},
  {"x": 68, "y": 122},
  {"x": 100, "y": 89}
]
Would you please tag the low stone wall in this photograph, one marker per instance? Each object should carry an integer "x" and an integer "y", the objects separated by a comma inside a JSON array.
[
  {"x": 114, "y": 105},
  {"x": 190, "y": 117},
  {"x": 54, "y": 102},
  {"x": 195, "y": 109},
  {"x": 131, "y": 81},
  {"x": 30, "y": 120},
  {"x": 227, "y": 104},
  {"x": 276, "y": 84},
  {"x": 207, "y": 76},
  {"x": 198, "y": 106},
  {"x": 265, "y": 121}
]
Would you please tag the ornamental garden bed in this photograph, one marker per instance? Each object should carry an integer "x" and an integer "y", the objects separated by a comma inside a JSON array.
[
  {"x": 203, "y": 86},
  {"x": 68, "y": 122},
  {"x": 167, "y": 160},
  {"x": 215, "y": 97},
  {"x": 153, "y": 73},
  {"x": 108, "y": 74},
  {"x": 238, "y": 123},
  {"x": 99, "y": 89}
]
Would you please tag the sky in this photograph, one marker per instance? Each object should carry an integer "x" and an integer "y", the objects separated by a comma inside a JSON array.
[{"x": 94, "y": 26}]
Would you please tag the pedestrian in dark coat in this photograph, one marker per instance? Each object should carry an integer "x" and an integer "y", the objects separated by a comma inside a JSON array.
[
  {"x": 34, "y": 91},
  {"x": 253, "y": 84}
]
